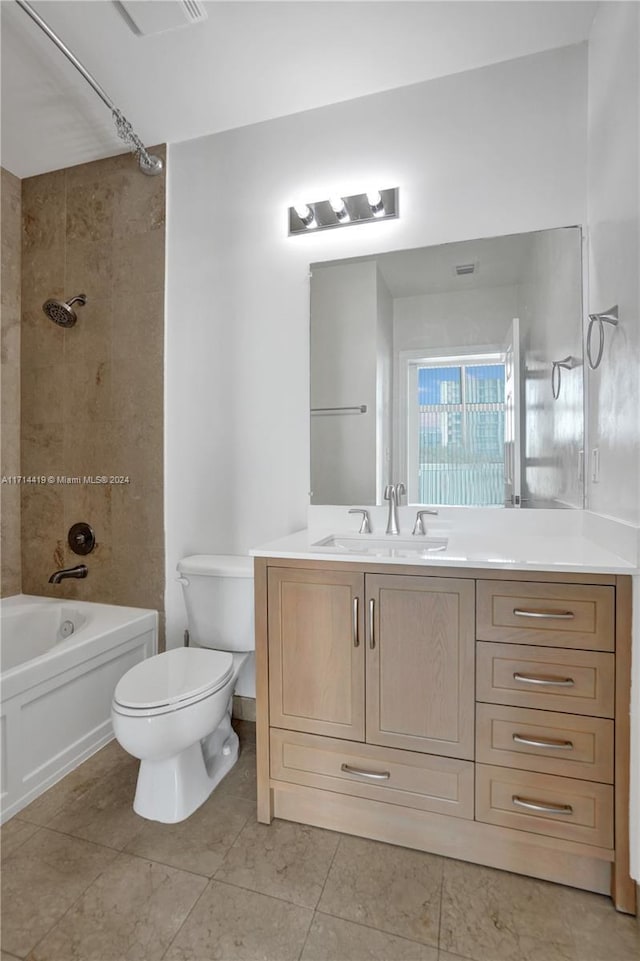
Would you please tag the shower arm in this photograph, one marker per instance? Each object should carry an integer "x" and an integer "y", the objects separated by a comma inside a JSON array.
[{"x": 147, "y": 162}]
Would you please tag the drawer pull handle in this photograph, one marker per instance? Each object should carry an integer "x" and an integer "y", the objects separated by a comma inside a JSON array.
[
  {"x": 372, "y": 624},
  {"x": 523, "y": 802},
  {"x": 545, "y": 615},
  {"x": 356, "y": 635},
  {"x": 374, "y": 775},
  {"x": 551, "y": 742},
  {"x": 544, "y": 680}
]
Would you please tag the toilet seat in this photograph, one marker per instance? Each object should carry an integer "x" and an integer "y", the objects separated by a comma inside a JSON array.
[{"x": 172, "y": 681}]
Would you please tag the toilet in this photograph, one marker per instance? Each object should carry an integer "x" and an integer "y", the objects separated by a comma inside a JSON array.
[{"x": 173, "y": 711}]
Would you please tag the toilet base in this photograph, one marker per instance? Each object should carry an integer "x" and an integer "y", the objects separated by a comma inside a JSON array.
[{"x": 171, "y": 789}]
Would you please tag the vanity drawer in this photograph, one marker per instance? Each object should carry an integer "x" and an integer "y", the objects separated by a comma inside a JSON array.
[
  {"x": 424, "y": 781},
  {"x": 560, "y": 807},
  {"x": 543, "y": 741},
  {"x": 560, "y": 615},
  {"x": 578, "y": 682}
]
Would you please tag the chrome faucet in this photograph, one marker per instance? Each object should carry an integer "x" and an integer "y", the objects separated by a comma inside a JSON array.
[
  {"x": 365, "y": 526},
  {"x": 80, "y": 570},
  {"x": 418, "y": 527},
  {"x": 393, "y": 493}
]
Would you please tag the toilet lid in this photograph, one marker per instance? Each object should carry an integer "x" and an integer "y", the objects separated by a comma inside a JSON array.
[{"x": 168, "y": 679}]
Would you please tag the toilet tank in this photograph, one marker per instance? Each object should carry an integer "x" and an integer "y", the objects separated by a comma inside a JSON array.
[{"x": 218, "y": 595}]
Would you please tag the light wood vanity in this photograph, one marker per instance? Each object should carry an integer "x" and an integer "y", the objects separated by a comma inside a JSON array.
[{"x": 477, "y": 714}]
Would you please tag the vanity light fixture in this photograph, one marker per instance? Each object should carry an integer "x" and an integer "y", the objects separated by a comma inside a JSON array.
[{"x": 343, "y": 211}]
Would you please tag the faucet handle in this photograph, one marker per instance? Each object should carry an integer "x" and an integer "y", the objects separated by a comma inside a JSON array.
[
  {"x": 418, "y": 527},
  {"x": 365, "y": 527},
  {"x": 400, "y": 490},
  {"x": 388, "y": 491}
]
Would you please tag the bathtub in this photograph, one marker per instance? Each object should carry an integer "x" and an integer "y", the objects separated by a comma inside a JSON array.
[{"x": 59, "y": 664}]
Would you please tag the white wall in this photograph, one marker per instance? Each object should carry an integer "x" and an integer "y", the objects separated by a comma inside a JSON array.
[
  {"x": 466, "y": 318},
  {"x": 493, "y": 151},
  {"x": 344, "y": 307},
  {"x": 614, "y": 256}
]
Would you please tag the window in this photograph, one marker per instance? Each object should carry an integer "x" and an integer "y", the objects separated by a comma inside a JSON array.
[{"x": 455, "y": 443}]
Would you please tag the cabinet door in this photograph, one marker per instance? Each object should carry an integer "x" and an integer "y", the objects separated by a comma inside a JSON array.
[
  {"x": 420, "y": 664},
  {"x": 316, "y": 652}
]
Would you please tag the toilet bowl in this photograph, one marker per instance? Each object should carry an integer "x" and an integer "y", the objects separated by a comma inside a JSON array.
[{"x": 173, "y": 711}]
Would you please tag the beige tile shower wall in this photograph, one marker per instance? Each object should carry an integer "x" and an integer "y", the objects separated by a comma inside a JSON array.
[
  {"x": 92, "y": 395},
  {"x": 10, "y": 576}
]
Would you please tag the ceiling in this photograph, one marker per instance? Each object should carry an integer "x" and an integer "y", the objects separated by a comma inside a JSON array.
[
  {"x": 498, "y": 262},
  {"x": 247, "y": 62}
]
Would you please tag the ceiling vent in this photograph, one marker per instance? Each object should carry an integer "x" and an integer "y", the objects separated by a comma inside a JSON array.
[
  {"x": 149, "y": 17},
  {"x": 463, "y": 269}
]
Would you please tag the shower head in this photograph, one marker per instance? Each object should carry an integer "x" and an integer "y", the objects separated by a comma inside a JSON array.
[{"x": 61, "y": 312}]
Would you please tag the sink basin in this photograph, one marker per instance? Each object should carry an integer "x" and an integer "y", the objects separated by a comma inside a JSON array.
[{"x": 383, "y": 545}]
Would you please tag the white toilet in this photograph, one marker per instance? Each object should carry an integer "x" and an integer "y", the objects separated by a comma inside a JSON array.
[{"x": 173, "y": 711}]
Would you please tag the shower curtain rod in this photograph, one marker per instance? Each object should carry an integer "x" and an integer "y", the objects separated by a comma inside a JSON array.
[{"x": 147, "y": 162}]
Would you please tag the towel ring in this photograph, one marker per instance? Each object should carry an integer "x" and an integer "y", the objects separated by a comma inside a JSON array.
[
  {"x": 607, "y": 317},
  {"x": 557, "y": 366}
]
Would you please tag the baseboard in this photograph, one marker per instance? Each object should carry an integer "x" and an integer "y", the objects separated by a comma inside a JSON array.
[{"x": 244, "y": 708}]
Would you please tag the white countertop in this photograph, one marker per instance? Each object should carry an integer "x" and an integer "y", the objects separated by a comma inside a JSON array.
[{"x": 499, "y": 551}]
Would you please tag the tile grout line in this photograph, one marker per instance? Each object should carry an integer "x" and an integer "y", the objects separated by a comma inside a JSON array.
[
  {"x": 72, "y": 905},
  {"x": 440, "y": 906},
  {"x": 390, "y": 934},
  {"x": 315, "y": 910}
]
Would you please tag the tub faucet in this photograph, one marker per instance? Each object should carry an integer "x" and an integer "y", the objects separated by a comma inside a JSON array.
[
  {"x": 80, "y": 570},
  {"x": 393, "y": 493}
]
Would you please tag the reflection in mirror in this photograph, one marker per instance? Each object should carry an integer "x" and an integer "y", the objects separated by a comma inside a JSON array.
[{"x": 433, "y": 367}]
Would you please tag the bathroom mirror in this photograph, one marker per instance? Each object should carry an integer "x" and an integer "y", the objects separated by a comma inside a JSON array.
[{"x": 434, "y": 367}]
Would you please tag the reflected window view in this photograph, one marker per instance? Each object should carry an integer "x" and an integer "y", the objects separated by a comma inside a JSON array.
[{"x": 460, "y": 434}]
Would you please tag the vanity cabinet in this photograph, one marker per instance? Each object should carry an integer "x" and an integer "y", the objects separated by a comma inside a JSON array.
[
  {"x": 384, "y": 659},
  {"x": 316, "y": 656},
  {"x": 481, "y": 715}
]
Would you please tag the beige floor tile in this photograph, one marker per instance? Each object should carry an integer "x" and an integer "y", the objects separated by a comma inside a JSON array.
[
  {"x": 282, "y": 859},
  {"x": 41, "y": 881},
  {"x": 200, "y": 843},
  {"x": 600, "y": 933},
  {"x": 7, "y": 957},
  {"x": 332, "y": 939},
  {"x": 76, "y": 784},
  {"x": 104, "y": 814},
  {"x": 132, "y": 911},
  {"x": 386, "y": 887},
  {"x": 230, "y": 924},
  {"x": 240, "y": 782},
  {"x": 445, "y": 956},
  {"x": 14, "y": 833},
  {"x": 492, "y": 915}
]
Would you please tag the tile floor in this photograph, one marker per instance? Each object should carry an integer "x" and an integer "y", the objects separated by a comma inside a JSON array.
[{"x": 86, "y": 879}]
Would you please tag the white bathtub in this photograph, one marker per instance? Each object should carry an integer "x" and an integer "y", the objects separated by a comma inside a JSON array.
[{"x": 56, "y": 690}]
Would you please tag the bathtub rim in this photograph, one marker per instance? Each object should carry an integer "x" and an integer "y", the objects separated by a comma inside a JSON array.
[{"x": 61, "y": 656}]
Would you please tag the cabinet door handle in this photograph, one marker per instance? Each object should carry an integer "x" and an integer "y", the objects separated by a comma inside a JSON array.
[
  {"x": 544, "y": 680},
  {"x": 551, "y": 742},
  {"x": 531, "y": 805},
  {"x": 374, "y": 775},
  {"x": 354, "y": 626},
  {"x": 372, "y": 619},
  {"x": 545, "y": 615}
]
